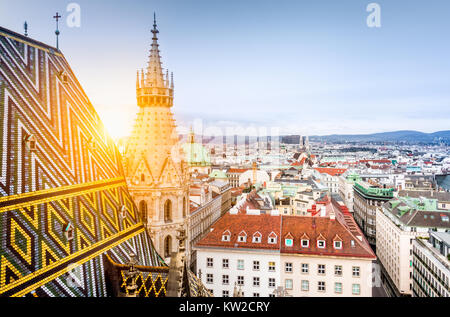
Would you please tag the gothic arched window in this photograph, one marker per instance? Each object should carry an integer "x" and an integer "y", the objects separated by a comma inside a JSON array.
[
  {"x": 142, "y": 178},
  {"x": 143, "y": 210},
  {"x": 167, "y": 246},
  {"x": 168, "y": 211}
]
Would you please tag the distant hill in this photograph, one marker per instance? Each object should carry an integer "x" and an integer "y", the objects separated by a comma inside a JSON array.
[{"x": 408, "y": 136}]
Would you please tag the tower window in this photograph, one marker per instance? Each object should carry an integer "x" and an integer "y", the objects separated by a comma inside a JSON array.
[{"x": 168, "y": 211}]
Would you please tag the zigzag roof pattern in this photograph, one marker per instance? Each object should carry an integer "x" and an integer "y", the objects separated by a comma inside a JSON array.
[{"x": 64, "y": 201}]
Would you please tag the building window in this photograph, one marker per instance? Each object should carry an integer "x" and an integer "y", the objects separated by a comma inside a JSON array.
[
  {"x": 288, "y": 242},
  {"x": 225, "y": 263},
  {"x": 305, "y": 285},
  {"x": 305, "y": 243},
  {"x": 168, "y": 211},
  {"x": 271, "y": 282},
  {"x": 338, "y": 288},
  {"x": 256, "y": 265},
  {"x": 321, "y": 244},
  {"x": 143, "y": 210},
  {"x": 257, "y": 238},
  {"x": 321, "y": 286},
  {"x": 305, "y": 268},
  {"x": 271, "y": 295},
  {"x": 256, "y": 281},
  {"x": 212, "y": 292},
  {"x": 338, "y": 244},
  {"x": 240, "y": 264},
  {"x": 355, "y": 271},
  {"x": 240, "y": 280},
  {"x": 288, "y": 267},
  {"x": 209, "y": 278},
  {"x": 242, "y": 237},
  {"x": 288, "y": 284},
  {"x": 225, "y": 279},
  {"x": 356, "y": 289},
  {"x": 225, "y": 294},
  {"x": 321, "y": 269},
  {"x": 209, "y": 262},
  {"x": 272, "y": 238},
  {"x": 271, "y": 266},
  {"x": 255, "y": 294},
  {"x": 338, "y": 270},
  {"x": 168, "y": 247}
]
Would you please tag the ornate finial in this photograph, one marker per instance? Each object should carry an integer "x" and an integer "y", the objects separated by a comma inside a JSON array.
[
  {"x": 25, "y": 26},
  {"x": 56, "y": 17},
  {"x": 155, "y": 29},
  {"x": 167, "y": 79}
]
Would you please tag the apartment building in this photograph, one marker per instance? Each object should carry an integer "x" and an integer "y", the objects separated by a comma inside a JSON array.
[
  {"x": 259, "y": 250},
  {"x": 325, "y": 256},
  {"x": 329, "y": 177},
  {"x": 345, "y": 188},
  {"x": 399, "y": 222},
  {"x": 431, "y": 265},
  {"x": 367, "y": 199},
  {"x": 241, "y": 251}
]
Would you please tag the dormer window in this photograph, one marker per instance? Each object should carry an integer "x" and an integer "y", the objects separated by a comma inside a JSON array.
[
  {"x": 305, "y": 241},
  {"x": 68, "y": 232},
  {"x": 272, "y": 238},
  {"x": 337, "y": 242},
  {"x": 256, "y": 237},
  {"x": 352, "y": 243},
  {"x": 226, "y": 236},
  {"x": 242, "y": 237},
  {"x": 289, "y": 240},
  {"x": 30, "y": 142},
  {"x": 321, "y": 242}
]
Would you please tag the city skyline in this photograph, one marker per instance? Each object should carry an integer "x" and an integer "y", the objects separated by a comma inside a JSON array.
[{"x": 309, "y": 69}]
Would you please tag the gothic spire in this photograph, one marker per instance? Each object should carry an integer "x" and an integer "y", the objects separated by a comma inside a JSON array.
[{"x": 154, "y": 70}]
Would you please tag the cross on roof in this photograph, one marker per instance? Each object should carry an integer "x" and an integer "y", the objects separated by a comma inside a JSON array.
[{"x": 57, "y": 16}]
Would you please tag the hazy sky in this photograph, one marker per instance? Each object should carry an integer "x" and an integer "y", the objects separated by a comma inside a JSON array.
[{"x": 310, "y": 67}]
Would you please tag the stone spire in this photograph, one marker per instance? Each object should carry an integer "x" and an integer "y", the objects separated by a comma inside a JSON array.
[
  {"x": 155, "y": 90},
  {"x": 154, "y": 70}
]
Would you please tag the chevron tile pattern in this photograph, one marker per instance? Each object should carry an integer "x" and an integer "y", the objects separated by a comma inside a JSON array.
[{"x": 63, "y": 198}]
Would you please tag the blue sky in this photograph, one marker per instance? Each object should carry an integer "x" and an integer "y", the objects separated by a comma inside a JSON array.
[{"x": 308, "y": 67}]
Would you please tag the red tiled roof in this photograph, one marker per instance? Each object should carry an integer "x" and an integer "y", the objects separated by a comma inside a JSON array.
[
  {"x": 331, "y": 171},
  {"x": 237, "y": 170},
  {"x": 318, "y": 227},
  {"x": 251, "y": 224},
  {"x": 343, "y": 228}
]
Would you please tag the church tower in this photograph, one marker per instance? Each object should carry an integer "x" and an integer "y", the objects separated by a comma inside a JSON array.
[{"x": 156, "y": 173}]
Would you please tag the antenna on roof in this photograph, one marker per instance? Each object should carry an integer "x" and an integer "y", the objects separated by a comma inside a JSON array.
[{"x": 25, "y": 26}]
